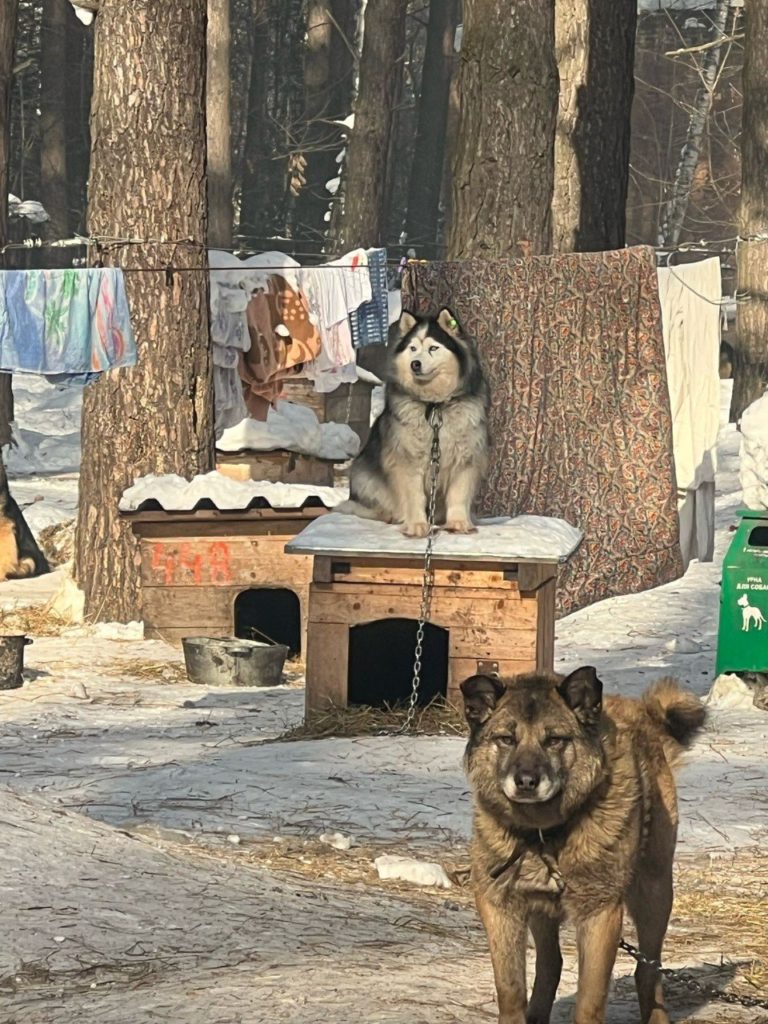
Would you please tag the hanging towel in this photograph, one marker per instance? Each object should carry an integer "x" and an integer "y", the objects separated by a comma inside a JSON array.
[
  {"x": 70, "y": 325},
  {"x": 690, "y": 297},
  {"x": 580, "y": 420},
  {"x": 283, "y": 338},
  {"x": 370, "y": 323}
]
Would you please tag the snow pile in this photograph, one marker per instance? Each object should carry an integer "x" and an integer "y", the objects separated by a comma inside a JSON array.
[
  {"x": 85, "y": 15},
  {"x": 753, "y": 467},
  {"x": 730, "y": 691},
  {"x": 30, "y": 210},
  {"x": 292, "y": 428},
  {"x": 176, "y": 494},
  {"x": 337, "y": 840},
  {"x": 407, "y": 869}
]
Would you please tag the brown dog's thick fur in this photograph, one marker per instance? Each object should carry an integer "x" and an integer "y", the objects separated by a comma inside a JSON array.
[
  {"x": 575, "y": 817},
  {"x": 19, "y": 554}
]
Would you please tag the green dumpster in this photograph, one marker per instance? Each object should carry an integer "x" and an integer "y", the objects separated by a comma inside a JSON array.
[{"x": 742, "y": 641}]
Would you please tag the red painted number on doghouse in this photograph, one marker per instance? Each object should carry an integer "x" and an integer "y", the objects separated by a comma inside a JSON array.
[{"x": 177, "y": 565}]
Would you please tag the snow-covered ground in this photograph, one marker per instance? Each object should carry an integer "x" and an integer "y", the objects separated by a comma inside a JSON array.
[{"x": 161, "y": 849}]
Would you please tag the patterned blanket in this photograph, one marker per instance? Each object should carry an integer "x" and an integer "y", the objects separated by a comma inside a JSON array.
[{"x": 580, "y": 422}]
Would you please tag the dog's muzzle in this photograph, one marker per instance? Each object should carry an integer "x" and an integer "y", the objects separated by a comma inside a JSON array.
[{"x": 416, "y": 367}]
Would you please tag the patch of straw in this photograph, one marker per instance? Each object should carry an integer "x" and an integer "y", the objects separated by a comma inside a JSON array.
[
  {"x": 34, "y": 620},
  {"x": 438, "y": 718}
]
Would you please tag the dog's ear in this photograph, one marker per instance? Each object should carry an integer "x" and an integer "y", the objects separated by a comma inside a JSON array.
[
  {"x": 481, "y": 695},
  {"x": 582, "y": 691},
  {"x": 448, "y": 321},
  {"x": 406, "y": 323}
]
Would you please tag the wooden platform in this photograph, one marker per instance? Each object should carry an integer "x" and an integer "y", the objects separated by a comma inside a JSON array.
[
  {"x": 498, "y": 609},
  {"x": 194, "y": 565}
]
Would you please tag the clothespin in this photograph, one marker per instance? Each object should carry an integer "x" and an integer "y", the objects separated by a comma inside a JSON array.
[
  {"x": 401, "y": 266},
  {"x": 169, "y": 276}
]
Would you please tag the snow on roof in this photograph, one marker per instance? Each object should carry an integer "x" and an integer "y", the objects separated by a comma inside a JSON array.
[
  {"x": 514, "y": 539},
  {"x": 173, "y": 493}
]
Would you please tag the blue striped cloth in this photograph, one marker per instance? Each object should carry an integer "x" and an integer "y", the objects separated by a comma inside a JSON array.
[{"x": 370, "y": 322}]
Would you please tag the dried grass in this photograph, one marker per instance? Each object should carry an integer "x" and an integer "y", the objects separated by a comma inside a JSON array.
[
  {"x": 438, "y": 718},
  {"x": 34, "y": 620}
]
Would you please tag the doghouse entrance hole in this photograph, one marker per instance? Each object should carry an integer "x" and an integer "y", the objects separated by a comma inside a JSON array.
[
  {"x": 275, "y": 613},
  {"x": 381, "y": 662}
]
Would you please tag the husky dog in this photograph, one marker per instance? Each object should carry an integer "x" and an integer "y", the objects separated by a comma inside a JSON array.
[
  {"x": 431, "y": 363},
  {"x": 575, "y": 817}
]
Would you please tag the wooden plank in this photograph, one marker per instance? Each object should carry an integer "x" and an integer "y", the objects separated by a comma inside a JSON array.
[
  {"x": 545, "y": 639},
  {"x": 532, "y": 575},
  {"x": 327, "y": 661},
  {"x": 192, "y": 608},
  {"x": 175, "y": 634},
  {"x": 460, "y": 669},
  {"x": 222, "y": 562},
  {"x": 321, "y": 571},
  {"x": 493, "y": 644},
  {"x": 277, "y": 467},
  {"x": 212, "y": 522},
  {"x": 333, "y": 603},
  {"x": 398, "y": 571}
]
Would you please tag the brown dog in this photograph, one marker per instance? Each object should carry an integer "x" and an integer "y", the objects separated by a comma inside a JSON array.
[{"x": 575, "y": 817}]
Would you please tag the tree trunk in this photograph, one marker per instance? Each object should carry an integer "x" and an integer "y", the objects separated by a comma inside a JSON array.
[
  {"x": 363, "y": 220},
  {"x": 504, "y": 169},
  {"x": 7, "y": 37},
  {"x": 681, "y": 190},
  {"x": 219, "y": 126},
  {"x": 328, "y": 73},
  {"x": 430, "y": 146},
  {"x": 257, "y": 156},
  {"x": 595, "y": 46},
  {"x": 750, "y": 368},
  {"x": 79, "y": 85},
  {"x": 148, "y": 182},
  {"x": 53, "y": 114}
]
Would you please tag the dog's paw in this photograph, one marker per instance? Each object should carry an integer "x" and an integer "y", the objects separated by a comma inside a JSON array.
[
  {"x": 415, "y": 529},
  {"x": 459, "y": 526}
]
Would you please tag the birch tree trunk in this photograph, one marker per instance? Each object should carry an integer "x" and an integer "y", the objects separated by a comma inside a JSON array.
[
  {"x": 681, "y": 190},
  {"x": 750, "y": 366},
  {"x": 504, "y": 169},
  {"x": 363, "y": 219},
  {"x": 430, "y": 146},
  {"x": 147, "y": 182},
  {"x": 219, "y": 126},
  {"x": 595, "y": 46}
]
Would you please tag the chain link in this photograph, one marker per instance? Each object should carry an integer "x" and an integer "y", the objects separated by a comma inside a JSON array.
[
  {"x": 435, "y": 421},
  {"x": 691, "y": 983}
]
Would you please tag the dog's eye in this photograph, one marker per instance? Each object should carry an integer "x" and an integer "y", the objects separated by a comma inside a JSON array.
[
  {"x": 555, "y": 742},
  {"x": 433, "y": 348},
  {"x": 505, "y": 741}
]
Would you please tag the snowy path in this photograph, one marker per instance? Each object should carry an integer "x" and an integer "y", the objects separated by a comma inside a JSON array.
[{"x": 124, "y": 902}]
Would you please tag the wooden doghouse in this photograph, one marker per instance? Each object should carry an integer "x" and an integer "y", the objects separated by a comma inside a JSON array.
[
  {"x": 202, "y": 570},
  {"x": 493, "y": 595}
]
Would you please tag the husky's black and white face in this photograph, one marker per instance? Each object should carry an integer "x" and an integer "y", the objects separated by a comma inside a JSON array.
[{"x": 429, "y": 358}]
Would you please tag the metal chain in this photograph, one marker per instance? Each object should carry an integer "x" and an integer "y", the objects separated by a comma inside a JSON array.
[
  {"x": 688, "y": 980},
  {"x": 435, "y": 421}
]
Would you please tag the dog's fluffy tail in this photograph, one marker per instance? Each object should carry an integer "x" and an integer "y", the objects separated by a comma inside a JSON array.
[{"x": 678, "y": 713}]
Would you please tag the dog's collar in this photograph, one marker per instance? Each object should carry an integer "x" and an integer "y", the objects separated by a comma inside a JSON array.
[{"x": 531, "y": 841}]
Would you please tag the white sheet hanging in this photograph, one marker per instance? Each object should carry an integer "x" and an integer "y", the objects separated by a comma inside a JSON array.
[{"x": 690, "y": 297}]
